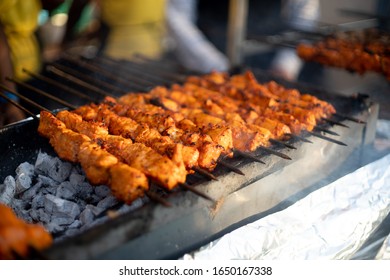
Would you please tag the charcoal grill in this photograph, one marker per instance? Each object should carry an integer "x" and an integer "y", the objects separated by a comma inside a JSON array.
[{"x": 158, "y": 232}]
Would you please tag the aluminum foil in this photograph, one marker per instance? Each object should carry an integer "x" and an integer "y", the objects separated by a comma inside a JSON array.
[
  {"x": 330, "y": 223},
  {"x": 384, "y": 251}
]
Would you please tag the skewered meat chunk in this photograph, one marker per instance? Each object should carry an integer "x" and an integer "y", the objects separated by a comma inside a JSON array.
[
  {"x": 157, "y": 167},
  {"x": 142, "y": 133},
  {"x": 65, "y": 142},
  {"x": 360, "y": 53},
  {"x": 100, "y": 166},
  {"x": 132, "y": 153},
  {"x": 184, "y": 131},
  {"x": 18, "y": 237},
  {"x": 244, "y": 87},
  {"x": 243, "y": 137},
  {"x": 96, "y": 162},
  {"x": 120, "y": 176}
]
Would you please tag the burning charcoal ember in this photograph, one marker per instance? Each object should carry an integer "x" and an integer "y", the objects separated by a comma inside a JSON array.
[
  {"x": 19, "y": 204},
  {"x": 102, "y": 191},
  {"x": 87, "y": 217},
  {"x": 94, "y": 199},
  {"x": 25, "y": 215},
  {"x": 38, "y": 201},
  {"x": 34, "y": 214},
  {"x": 43, "y": 216},
  {"x": 24, "y": 173},
  {"x": 54, "y": 228},
  {"x": 31, "y": 192},
  {"x": 47, "y": 181},
  {"x": 66, "y": 190},
  {"x": 81, "y": 203},
  {"x": 94, "y": 209},
  {"x": 40, "y": 215},
  {"x": 20, "y": 208},
  {"x": 7, "y": 190},
  {"x": 85, "y": 191},
  {"x": 60, "y": 170},
  {"x": 43, "y": 163},
  {"x": 76, "y": 179},
  {"x": 23, "y": 182},
  {"x": 26, "y": 168},
  {"x": 107, "y": 202},
  {"x": 53, "y": 167},
  {"x": 63, "y": 201},
  {"x": 62, "y": 211},
  {"x": 75, "y": 224}
]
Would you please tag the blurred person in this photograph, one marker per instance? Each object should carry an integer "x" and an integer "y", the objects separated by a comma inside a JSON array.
[
  {"x": 264, "y": 18},
  {"x": 191, "y": 47},
  {"x": 126, "y": 27},
  {"x": 298, "y": 15},
  {"x": 154, "y": 28},
  {"x": 19, "y": 47}
]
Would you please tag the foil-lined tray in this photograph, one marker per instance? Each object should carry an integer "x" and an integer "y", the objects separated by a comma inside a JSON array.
[{"x": 330, "y": 223}]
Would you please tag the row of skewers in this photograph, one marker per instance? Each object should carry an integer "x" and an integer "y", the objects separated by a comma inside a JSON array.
[
  {"x": 164, "y": 134},
  {"x": 167, "y": 133},
  {"x": 358, "y": 52}
]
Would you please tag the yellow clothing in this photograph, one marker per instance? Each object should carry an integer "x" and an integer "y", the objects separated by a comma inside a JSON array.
[
  {"x": 19, "y": 19},
  {"x": 136, "y": 26}
]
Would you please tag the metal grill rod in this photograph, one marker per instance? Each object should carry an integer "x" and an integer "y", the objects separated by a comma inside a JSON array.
[
  {"x": 41, "y": 92},
  {"x": 326, "y": 138},
  {"x": 28, "y": 100},
  {"x": 129, "y": 83},
  {"x": 77, "y": 81},
  {"x": 89, "y": 79},
  {"x": 59, "y": 85},
  {"x": 3, "y": 95}
]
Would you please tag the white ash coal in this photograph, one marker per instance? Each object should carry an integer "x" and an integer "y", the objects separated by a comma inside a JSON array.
[{"x": 57, "y": 195}]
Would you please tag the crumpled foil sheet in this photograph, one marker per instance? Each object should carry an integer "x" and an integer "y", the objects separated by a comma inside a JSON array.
[
  {"x": 330, "y": 223},
  {"x": 384, "y": 251}
]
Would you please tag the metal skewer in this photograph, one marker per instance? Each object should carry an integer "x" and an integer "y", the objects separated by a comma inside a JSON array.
[
  {"x": 349, "y": 118},
  {"x": 89, "y": 79},
  {"x": 136, "y": 78},
  {"x": 326, "y": 138},
  {"x": 28, "y": 100},
  {"x": 303, "y": 139},
  {"x": 334, "y": 122},
  {"x": 41, "y": 92},
  {"x": 141, "y": 73},
  {"x": 3, "y": 95},
  {"x": 204, "y": 173},
  {"x": 155, "y": 197},
  {"x": 76, "y": 80},
  {"x": 231, "y": 167},
  {"x": 276, "y": 153},
  {"x": 248, "y": 155},
  {"x": 129, "y": 82},
  {"x": 59, "y": 85},
  {"x": 326, "y": 130},
  {"x": 278, "y": 142},
  {"x": 195, "y": 191}
]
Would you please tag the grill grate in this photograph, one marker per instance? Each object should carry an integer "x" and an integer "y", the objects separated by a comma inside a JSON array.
[{"x": 155, "y": 231}]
